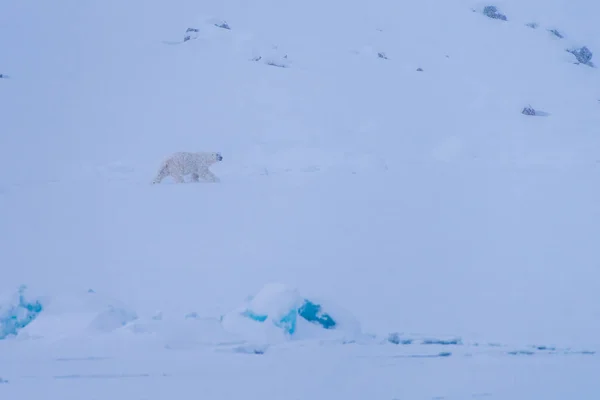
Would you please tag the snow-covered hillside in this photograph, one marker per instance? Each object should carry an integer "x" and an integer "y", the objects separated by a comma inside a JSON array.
[{"x": 389, "y": 223}]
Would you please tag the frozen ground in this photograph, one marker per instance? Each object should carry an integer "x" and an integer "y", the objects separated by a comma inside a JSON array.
[
  {"x": 453, "y": 238},
  {"x": 126, "y": 369}
]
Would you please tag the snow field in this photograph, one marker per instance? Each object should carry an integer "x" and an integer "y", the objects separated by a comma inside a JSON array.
[{"x": 454, "y": 236}]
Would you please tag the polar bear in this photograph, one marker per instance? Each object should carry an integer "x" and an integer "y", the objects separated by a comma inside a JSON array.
[{"x": 183, "y": 163}]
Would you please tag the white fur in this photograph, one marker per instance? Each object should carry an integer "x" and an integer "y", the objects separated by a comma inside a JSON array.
[{"x": 184, "y": 163}]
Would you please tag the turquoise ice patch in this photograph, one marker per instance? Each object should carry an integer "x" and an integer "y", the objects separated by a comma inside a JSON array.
[
  {"x": 287, "y": 322},
  {"x": 313, "y": 313},
  {"x": 16, "y": 317},
  {"x": 310, "y": 311},
  {"x": 256, "y": 317}
]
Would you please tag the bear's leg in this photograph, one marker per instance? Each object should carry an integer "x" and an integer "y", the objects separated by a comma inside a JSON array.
[
  {"x": 195, "y": 177},
  {"x": 164, "y": 171},
  {"x": 208, "y": 176},
  {"x": 177, "y": 177}
]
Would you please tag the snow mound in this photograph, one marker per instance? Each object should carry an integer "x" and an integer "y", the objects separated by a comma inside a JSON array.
[
  {"x": 276, "y": 314},
  {"x": 175, "y": 332},
  {"x": 78, "y": 314},
  {"x": 112, "y": 318},
  {"x": 279, "y": 312}
]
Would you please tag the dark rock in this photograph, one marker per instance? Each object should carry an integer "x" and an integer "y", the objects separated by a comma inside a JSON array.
[
  {"x": 395, "y": 338},
  {"x": 556, "y": 33},
  {"x": 223, "y": 25},
  {"x": 528, "y": 111},
  {"x": 382, "y": 55},
  {"x": 533, "y": 25},
  {"x": 583, "y": 54},
  {"x": 276, "y": 64},
  {"x": 419, "y": 69},
  {"x": 492, "y": 12}
]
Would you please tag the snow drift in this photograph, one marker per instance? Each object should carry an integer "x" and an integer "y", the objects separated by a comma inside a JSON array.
[
  {"x": 56, "y": 317},
  {"x": 280, "y": 311}
]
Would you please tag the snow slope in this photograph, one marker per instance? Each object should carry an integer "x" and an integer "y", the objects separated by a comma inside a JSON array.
[{"x": 419, "y": 202}]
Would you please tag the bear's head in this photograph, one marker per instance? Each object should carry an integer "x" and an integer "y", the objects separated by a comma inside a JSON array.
[{"x": 217, "y": 157}]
